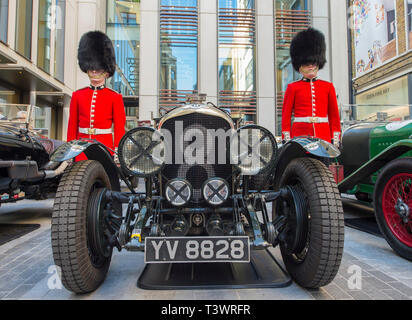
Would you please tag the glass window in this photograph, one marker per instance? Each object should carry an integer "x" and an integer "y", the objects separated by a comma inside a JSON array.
[
  {"x": 178, "y": 51},
  {"x": 237, "y": 58},
  {"x": 123, "y": 28},
  {"x": 60, "y": 26},
  {"x": 4, "y": 19},
  {"x": 408, "y": 10},
  {"x": 24, "y": 16},
  {"x": 43, "y": 38},
  {"x": 290, "y": 18}
]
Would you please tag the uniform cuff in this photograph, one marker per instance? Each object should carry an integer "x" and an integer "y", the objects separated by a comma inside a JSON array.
[{"x": 286, "y": 135}]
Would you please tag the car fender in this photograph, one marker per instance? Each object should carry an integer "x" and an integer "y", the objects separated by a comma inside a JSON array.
[
  {"x": 392, "y": 152},
  {"x": 303, "y": 147},
  {"x": 94, "y": 150}
]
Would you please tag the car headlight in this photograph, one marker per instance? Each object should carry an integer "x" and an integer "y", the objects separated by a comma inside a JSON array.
[
  {"x": 253, "y": 150},
  {"x": 215, "y": 191},
  {"x": 178, "y": 192},
  {"x": 142, "y": 151}
]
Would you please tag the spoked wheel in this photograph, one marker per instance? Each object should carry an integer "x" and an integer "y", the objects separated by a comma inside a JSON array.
[
  {"x": 393, "y": 205},
  {"x": 312, "y": 240},
  {"x": 80, "y": 232}
]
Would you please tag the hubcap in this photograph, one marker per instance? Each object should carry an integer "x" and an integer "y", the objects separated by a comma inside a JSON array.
[{"x": 396, "y": 204}]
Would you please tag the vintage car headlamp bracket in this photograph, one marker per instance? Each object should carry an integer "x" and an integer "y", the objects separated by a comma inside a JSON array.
[
  {"x": 150, "y": 163},
  {"x": 268, "y": 163}
]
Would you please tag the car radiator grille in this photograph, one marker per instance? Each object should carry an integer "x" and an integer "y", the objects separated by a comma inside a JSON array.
[{"x": 198, "y": 173}]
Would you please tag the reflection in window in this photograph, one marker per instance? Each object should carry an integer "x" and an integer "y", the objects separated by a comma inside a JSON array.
[
  {"x": 408, "y": 10},
  {"x": 4, "y": 19},
  {"x": 60, "y": 25},
  {"x": 43, "y": 39},
  {"x": 290, "y": 18},
  {"x": 237, "y": 70},
  {"x": 123, "y": 28},
  {"x": 24, "y": 17},
  {"x": 178, "y": 51}
]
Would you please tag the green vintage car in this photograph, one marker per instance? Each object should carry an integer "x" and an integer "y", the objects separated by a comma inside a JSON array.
[{"x": 377, "y": 160}]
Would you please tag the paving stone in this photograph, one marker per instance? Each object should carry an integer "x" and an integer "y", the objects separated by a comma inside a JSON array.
[
  {"x": 19, "y": 291},
  {"x": 35, "y": 278},
  {"x": 320, "y": 294},
  {"x": 260, "y": 294},
  {"x": 381, "y": 276},
  {"x": 395, "y": 294},
  {"x": 9, "y": 285},
  {"x": 402, "y": 288},
  {"x": 359, "y": 295},
  {"x": 336, "y": 292},
  {"x": 217, "y": 295},
  {"x": 378, "y": 284}
]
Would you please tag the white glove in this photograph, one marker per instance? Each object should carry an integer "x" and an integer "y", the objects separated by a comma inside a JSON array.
[
  {"x": 116, "y": 158},
  {"x": 286, "y": 135}
]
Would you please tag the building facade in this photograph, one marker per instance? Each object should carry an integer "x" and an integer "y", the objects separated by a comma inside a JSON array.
[
  {"x": 235, "y": 51},
  {"x": 381, "y": 58}
]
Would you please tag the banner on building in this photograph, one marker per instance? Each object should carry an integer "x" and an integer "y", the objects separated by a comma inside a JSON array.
[{"x": 374, "y": 33}]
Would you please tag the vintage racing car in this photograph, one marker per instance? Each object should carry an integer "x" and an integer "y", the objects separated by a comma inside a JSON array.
[
  {"x": 26, "y": 171},
  {"x": 377, "y": 161},
  {"x": 199, "y": 204}
]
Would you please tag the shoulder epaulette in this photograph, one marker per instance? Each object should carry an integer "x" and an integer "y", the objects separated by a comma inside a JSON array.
[{"x": 112, "y": 90}]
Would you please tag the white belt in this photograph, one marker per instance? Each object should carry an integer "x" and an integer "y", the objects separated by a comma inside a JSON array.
[
  {"x": 95, "y": 131},
  {"x": 311, "y": 119}
]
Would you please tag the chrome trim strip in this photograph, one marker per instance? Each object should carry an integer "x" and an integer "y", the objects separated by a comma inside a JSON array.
[{"x": 196, "y": 108}]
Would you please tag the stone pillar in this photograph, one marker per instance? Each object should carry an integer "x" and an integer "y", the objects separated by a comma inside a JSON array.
[
  {"x": 320, "y": 21},
  {"x": 208, "y": 47},
  {"x": 338, "y": 48},
  {"x": 90, "y": 15},
  {"x": 265, "y": 64},
  {"x": 149, "y": 59}
]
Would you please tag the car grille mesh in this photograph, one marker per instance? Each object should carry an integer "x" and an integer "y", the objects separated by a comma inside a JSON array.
[{"x": 198, "y": 173}]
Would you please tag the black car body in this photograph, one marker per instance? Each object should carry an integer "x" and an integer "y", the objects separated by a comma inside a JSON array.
[
  {"x": 207, "y": 210},
  {"x": 25, "y": 167}
]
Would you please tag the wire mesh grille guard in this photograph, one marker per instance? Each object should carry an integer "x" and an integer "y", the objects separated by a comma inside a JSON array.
[{"x": 197, "y": 173}]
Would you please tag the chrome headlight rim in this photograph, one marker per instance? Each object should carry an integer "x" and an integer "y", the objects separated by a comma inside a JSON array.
[
  {"x": 186, "y": 183},
  {"x": 206, "y": 184},
  {"x": 121, "y": 157},
  {"x": 272, "y": 162}
]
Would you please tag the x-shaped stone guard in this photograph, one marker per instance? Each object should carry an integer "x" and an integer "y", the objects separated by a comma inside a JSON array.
[
  {"x": 143, "y": 151},
  {"x": 178, "y": 193},
  {"x": 250, "y": 150},
  {"x": 216, "y": 192}
]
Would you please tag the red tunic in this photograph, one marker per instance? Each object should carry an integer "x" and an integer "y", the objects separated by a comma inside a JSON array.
[
  {"x": 311, "y": 98},
  {"x": 97, "y": 108}
]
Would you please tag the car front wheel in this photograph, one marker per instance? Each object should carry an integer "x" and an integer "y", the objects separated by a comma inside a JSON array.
[
  {"x": 80, "y": 237},
  {"x": 393, "y": 205},
  {"x": 312, "y": 242}
]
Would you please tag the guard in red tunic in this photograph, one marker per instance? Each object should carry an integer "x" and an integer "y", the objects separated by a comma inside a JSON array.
[
  {"x": 312, "y": 101},
  {"x": 97, "y": 112}
]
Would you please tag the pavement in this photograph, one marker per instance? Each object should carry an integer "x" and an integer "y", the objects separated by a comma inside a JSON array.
[{"x": 370, "y": 269}]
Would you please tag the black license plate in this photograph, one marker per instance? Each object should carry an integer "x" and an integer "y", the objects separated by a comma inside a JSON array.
[{"x": 196, "y": 249}]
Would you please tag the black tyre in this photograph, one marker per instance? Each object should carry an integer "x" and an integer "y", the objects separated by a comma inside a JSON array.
[
  {"x": 393, "y": 205},
  {"x": 83, "y": 264},
  {"x": 312, "y": 243}
]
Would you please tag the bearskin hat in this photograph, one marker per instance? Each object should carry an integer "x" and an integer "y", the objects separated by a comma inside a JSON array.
[
  {"x": 308, "y": 46},
  {"x": 96, "y": 52}
]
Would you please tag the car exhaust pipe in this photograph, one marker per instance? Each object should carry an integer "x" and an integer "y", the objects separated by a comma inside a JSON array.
[{"x": 48, "y": 174}]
